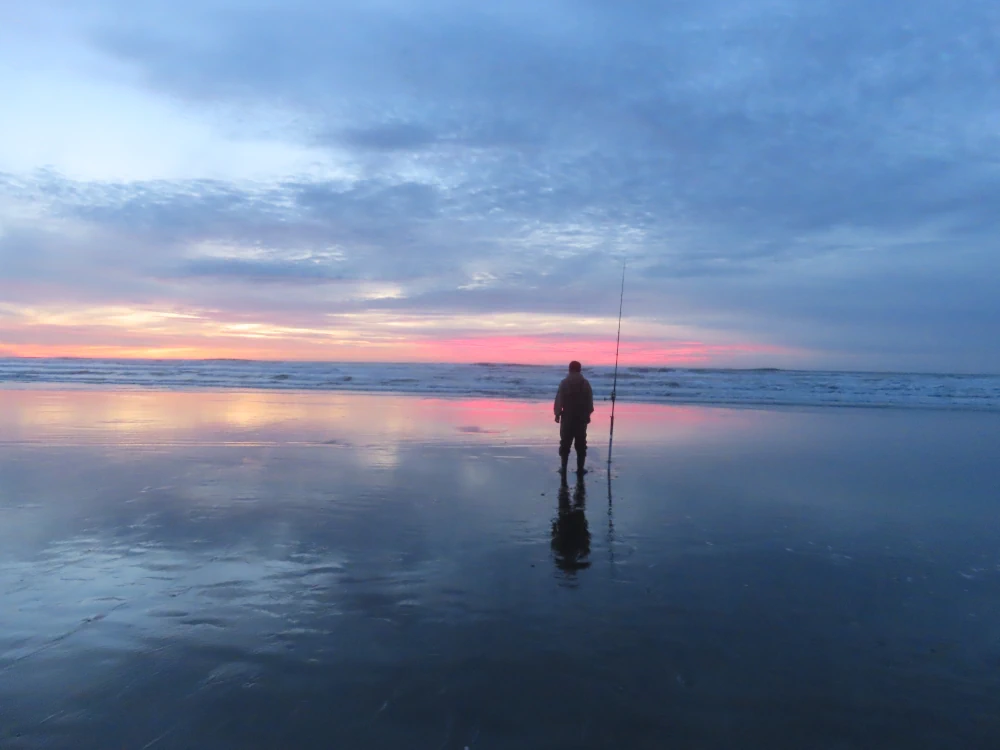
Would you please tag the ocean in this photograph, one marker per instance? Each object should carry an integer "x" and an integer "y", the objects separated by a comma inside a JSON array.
[{"x": 723, "y": 387}]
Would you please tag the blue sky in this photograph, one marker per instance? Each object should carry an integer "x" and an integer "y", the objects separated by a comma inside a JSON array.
[{"x": 809, "y": 184}]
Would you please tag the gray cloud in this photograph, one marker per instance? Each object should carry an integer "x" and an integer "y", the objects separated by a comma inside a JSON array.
[
  {"x": 259, "y": 270},
  {"x": 389, "y": 136}
]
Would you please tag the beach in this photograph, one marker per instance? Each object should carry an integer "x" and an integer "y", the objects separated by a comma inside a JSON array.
[{"x": 290, "y": 569}]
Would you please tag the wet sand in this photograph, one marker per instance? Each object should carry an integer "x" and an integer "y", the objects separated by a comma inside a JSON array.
[{"x": 296, "y": 570}]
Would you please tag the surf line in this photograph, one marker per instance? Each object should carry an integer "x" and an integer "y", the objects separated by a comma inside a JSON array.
[{"x": 614, "y": 386}]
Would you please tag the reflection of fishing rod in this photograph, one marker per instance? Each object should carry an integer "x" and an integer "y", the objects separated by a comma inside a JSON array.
[
  {"x": 614, "y": 387},
  {"x": 611, "y": 526}
]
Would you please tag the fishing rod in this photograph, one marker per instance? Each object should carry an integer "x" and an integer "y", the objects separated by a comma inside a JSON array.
[{"x": 614, "y": 387}]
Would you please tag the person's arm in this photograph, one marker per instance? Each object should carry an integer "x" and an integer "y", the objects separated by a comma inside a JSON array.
[
  {"x": 557, "y": 406},
  {"x": 590, "y": 400}
]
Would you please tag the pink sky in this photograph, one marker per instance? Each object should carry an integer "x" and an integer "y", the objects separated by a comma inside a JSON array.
[
  {"x": 548, "y": 349},
  {"x": 173, "y": 332}
]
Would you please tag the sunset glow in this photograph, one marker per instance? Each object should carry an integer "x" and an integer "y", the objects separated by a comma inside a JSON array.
[
  {"x": 524, "y": 350},
  {"x": 110, "y": 332}
]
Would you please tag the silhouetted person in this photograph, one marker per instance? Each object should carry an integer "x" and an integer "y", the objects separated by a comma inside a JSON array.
[
  {"x": 573, "y": 406},
  {"x": 570, "y": 533}
]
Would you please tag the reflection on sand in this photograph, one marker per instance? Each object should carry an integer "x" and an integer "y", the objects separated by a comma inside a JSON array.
[
  {"x": 261, "y": 570},
  {"x": 131, "y": 417},
  {"x": 570, "y": 531}
]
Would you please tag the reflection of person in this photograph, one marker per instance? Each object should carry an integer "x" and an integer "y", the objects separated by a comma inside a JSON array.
[
  {"x": 570, "y": 533},
  {"x": 573, "y": 406}
]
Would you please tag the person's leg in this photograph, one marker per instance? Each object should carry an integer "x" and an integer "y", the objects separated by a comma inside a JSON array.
[
  {"x": 565, "y": 440},
  {"x": 581, "y": 446}
]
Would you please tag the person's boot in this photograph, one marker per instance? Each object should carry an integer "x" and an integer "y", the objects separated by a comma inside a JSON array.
[
  {"x": 580, "y": 458},
  {"x": 565, "y": 460}
]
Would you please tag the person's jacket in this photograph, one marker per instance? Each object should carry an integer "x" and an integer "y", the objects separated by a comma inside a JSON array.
[{"x": 574, "y": 399}]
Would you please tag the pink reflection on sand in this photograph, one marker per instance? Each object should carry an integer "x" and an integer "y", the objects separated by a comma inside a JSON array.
[{"x": 326, "y": 419}]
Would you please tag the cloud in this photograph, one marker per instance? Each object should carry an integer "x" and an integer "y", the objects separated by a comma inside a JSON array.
[
  {"x": 389, "y": 136},
  {"x": 258, "y": 270},
  {"x": 816, "y": 176}
]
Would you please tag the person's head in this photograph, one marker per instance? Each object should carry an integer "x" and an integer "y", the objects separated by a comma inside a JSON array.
[{"x": 575, "y": 366}]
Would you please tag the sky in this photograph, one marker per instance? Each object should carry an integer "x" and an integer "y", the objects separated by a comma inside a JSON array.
[{"x": 808, "y": 184}]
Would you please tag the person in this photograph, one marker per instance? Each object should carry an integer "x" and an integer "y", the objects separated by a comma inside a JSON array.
[{"x": 573, "y": 406}]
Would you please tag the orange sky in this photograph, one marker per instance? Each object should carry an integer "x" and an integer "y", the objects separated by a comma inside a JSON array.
[
  {"x": 514, "y": 349},
  {"x": 128, "y": 332}
]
